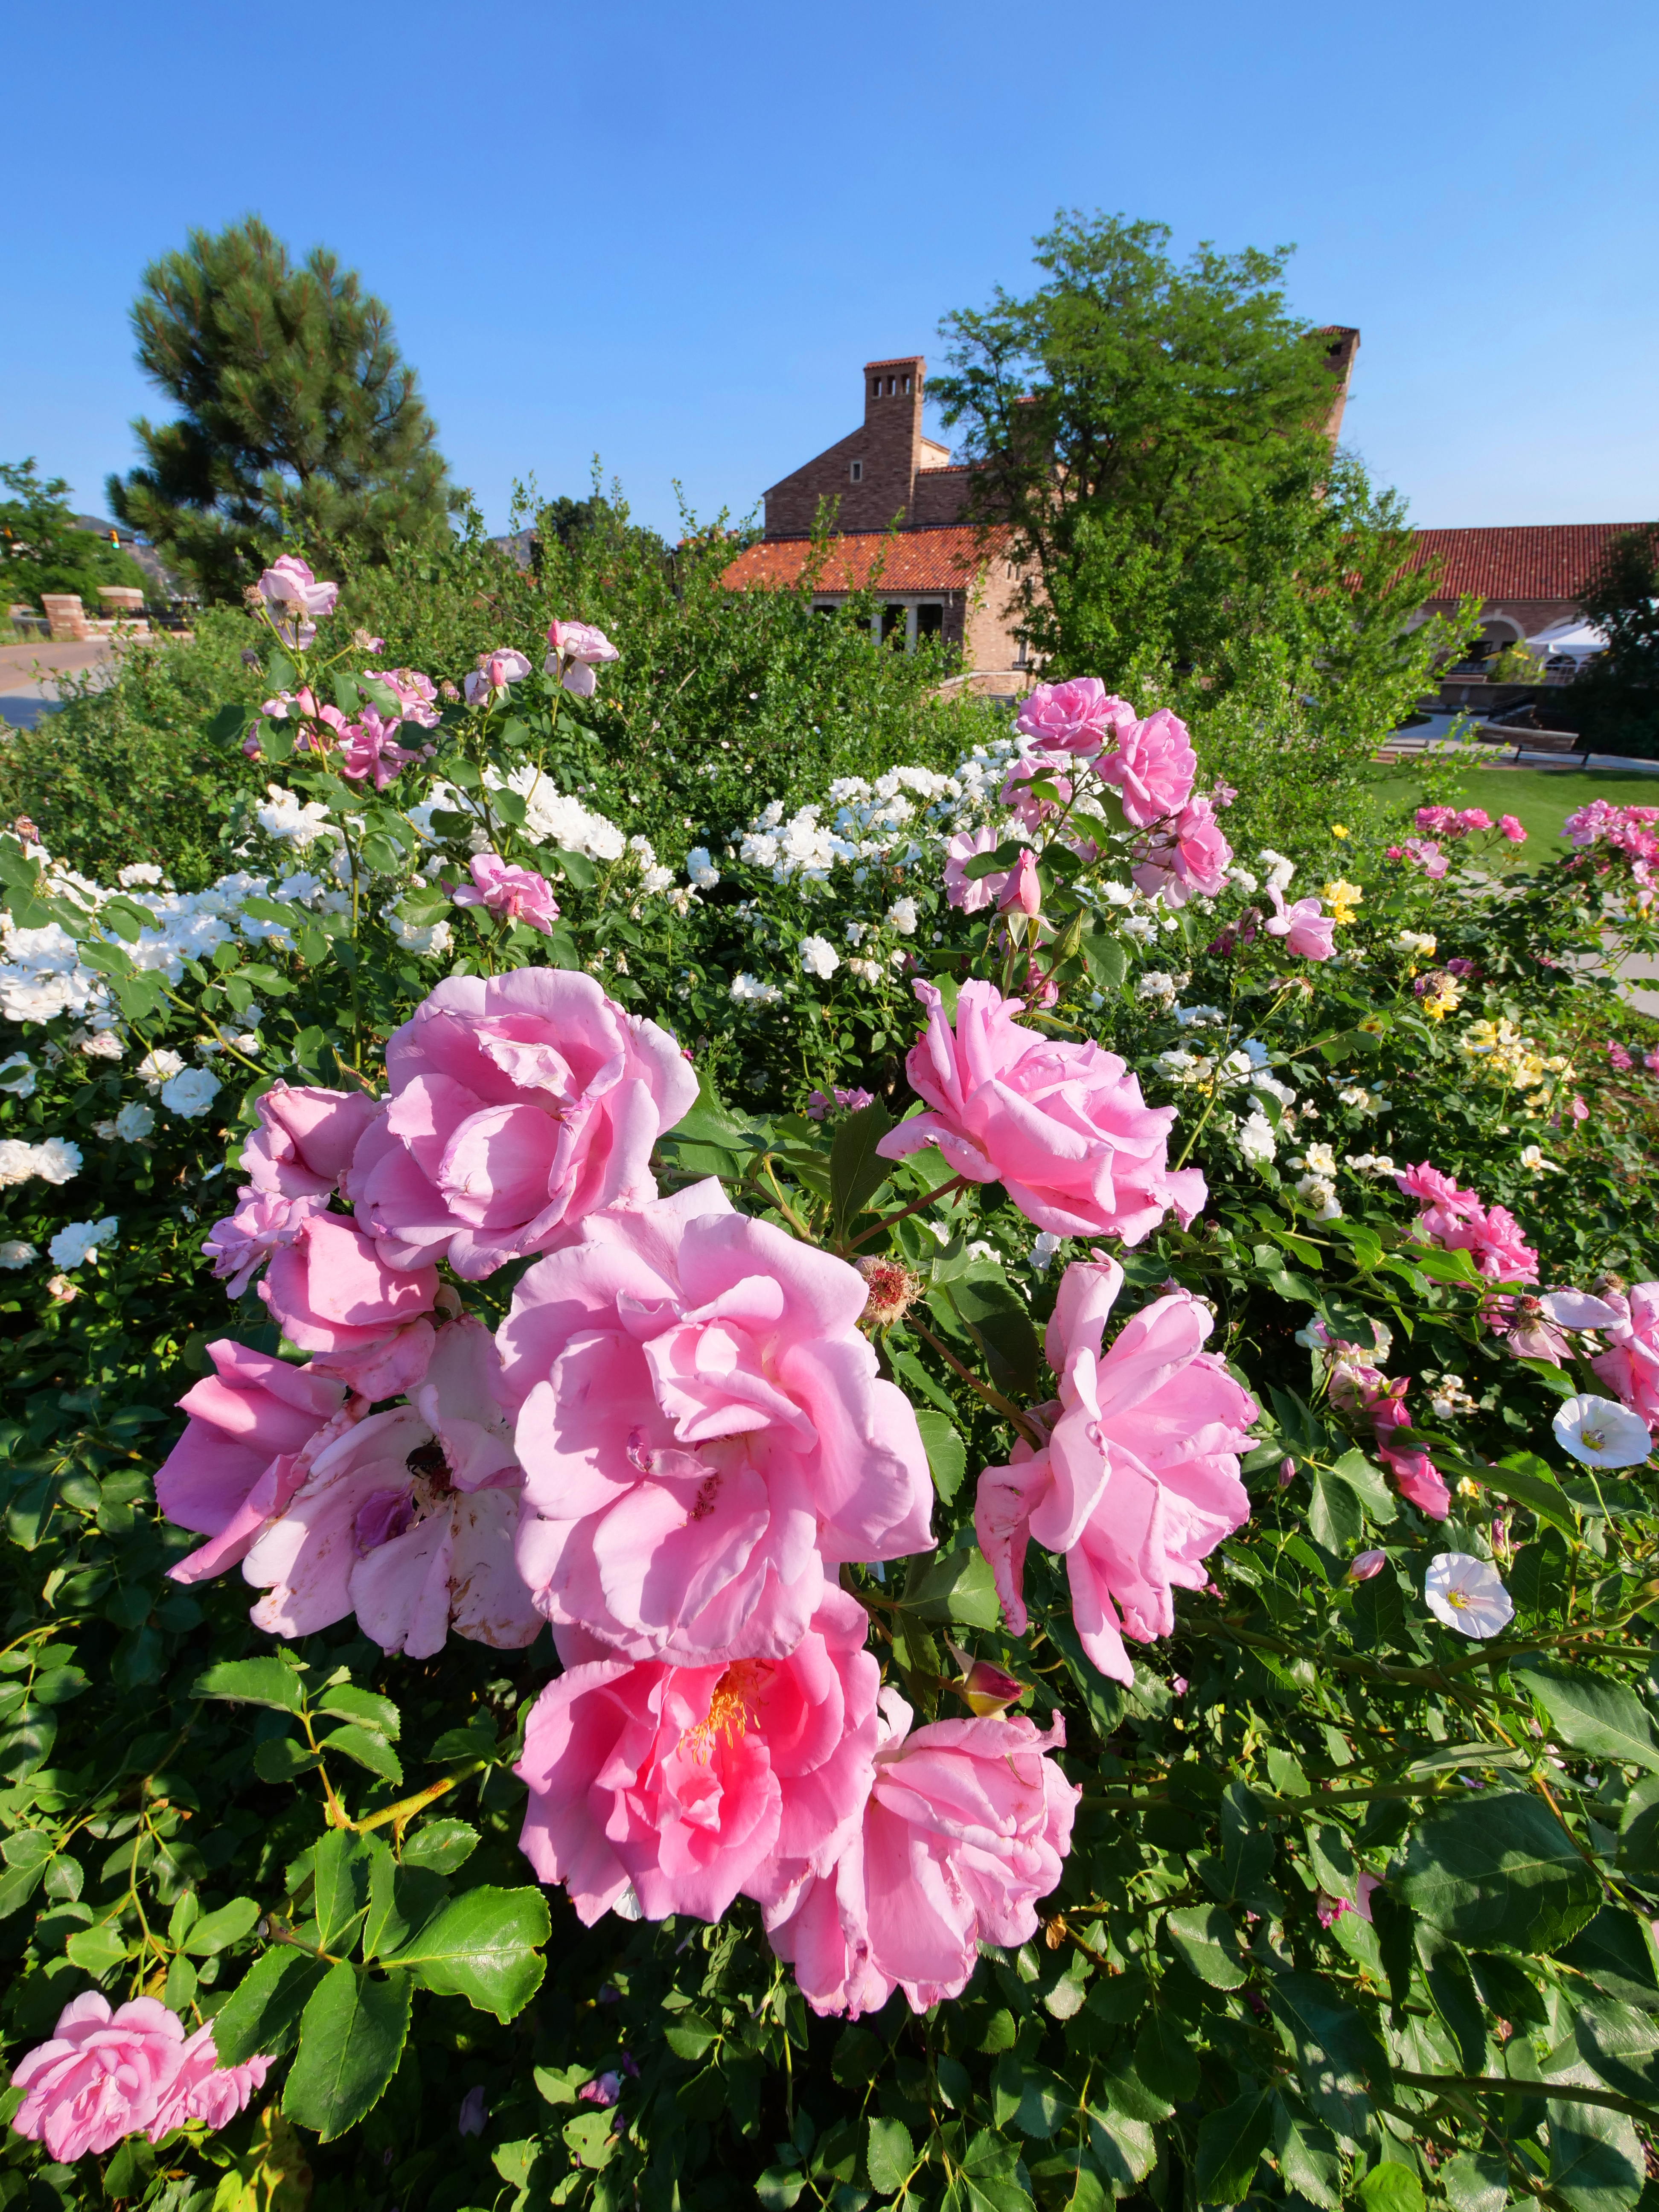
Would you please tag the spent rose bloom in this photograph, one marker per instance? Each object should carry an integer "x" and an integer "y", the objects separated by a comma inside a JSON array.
[
  {"x": 296, "y": 601},
  {"x": 335, "y": 1298},
  {"x": 971, "y": 894},
  {"x": 1138, "y": 1482},
  {"x": 254, "y": 1427},
  {"x": 703, "y": 1432},
  {"x": 967, "y": 1826},
  {"x": 1080, "y": 716},
  {"x": 578, "y": 650},
  {"x": 203, "y": 2089},
  {"x": 689, "y": 1784},
  {"x": 1308, "y": 931},
  {"x": 101, "y": 2076},
  {"x": 407, "y": 1519},
  {"x": 518, "y": 1105},
  {"x": 305, "y": 1138},
  {"x": 1153, "y": 767},
  {"x": 514, "y": 894},
  {"x": 416, "y": 694},
  {"x": 1630, "y": 1365},
  {"x": 1062, "y": 1125}
]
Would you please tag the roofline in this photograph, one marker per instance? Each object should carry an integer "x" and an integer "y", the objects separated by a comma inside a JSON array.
[{"x": 896, "y": 361}]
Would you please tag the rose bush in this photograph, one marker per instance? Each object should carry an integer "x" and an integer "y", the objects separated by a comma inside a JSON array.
[{"x": 1055, "y": 1605}]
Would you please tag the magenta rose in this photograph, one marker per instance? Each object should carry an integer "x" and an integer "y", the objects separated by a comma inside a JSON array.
[
  {"x": 255, "y": 1425},
  {"x": 1138, "y": 1482},
  {"x": 1153, "y": 767},
  {"x": 334, "y": 1296},
  {"x": 407, "y": 1519},
  {"x": 518, "y": 1105},
  {"x": 689, "y": 1784},
  {"x": 1062, "y": 1125},
  {"x": 1076, "y": 717},
  {"x": 703, "y": 1431},
  {"x": 101, "y": 2076},
  {"x": 968, "y": 1824},
  {"x": 305, "y": 1138}
]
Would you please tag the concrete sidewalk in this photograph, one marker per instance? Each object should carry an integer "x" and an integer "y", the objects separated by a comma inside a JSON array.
[
  {"x": 1434, "y": 736},
  {"x": 32, "y": 674}
]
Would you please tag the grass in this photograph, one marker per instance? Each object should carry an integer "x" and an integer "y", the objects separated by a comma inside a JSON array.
[{"x": 1540, "y": 798}]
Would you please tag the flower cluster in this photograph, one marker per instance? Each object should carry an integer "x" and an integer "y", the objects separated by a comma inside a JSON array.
[
  {"x": 105, "y": 2075},
  {"x": 1457, "y": 1221}
]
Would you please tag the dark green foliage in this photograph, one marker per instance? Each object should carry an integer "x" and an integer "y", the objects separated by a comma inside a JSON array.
[
  {"x": 300, "y": 421},
  {"x": 42, "y": 551},
  {"x": 1615, "y": 701}
]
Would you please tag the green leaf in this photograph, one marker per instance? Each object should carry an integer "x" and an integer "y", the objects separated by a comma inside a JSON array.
[
  {"x": 1164, "y": 2058},
  {"x": 1475, "y": 2184},
  {"x": 367, "y": 1747},
  {"x": 889, "y": 2155},
  {"x": 340, "y": 1878},
  {"x": 281, "y": 1757},
  {"x": 576, "y": 866},
  {"x": 263, "y": 2010},
  {"x": 1339, "y": 2055},
  {"x": 1499, "y": 1869},
  {"x": 351, "y": 2037},
  {"x": 1531, "y": 1485},
  {"x": 1027, "y": 2096},
  {"x": 688, "y": 2035},
  {"x": 1203, "y": 1938},
  {"x": 26, "y": 1855},
  {"x": 96, "y": 1950},
  {"x": 994, "y": 1315},
  {"x": 947, "y": 1454},
  {"x": 953, "y": 1586},
  {"x": 1307, "y": 2154},
  {"x": 217, "y": 1931},
  {"x": 1231, "y": 2144},
  {"x": 1592, "y": 1714},
  {"x": 253, "y": 1682},
  {"x": 1391, "y": 2187},
  {"x": 592, "y": 2139},
  {"x": 1595, "y": 2158},
  {"x": 443, "y": 1845},
  {"x": 857, "y": 1171},
  {"x": 483, "y": 1946},
  {"x": 1335, "y": 1515}
]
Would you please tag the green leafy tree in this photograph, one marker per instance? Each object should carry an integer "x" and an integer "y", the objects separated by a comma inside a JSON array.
[
  {"x": 302, "y": 421},
  {"x": 1616, "y": 700},
  {"x": 43, "y": 547}
]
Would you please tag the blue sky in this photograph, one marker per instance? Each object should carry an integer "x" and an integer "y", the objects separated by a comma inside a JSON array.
[{"x": 672, "y": 235}]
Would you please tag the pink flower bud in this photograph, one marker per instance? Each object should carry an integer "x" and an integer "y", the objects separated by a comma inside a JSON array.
[
  {"x": 1286, "y": 1473},
  {"x": 1364, "y": 1565},
  {"x": 1024, "y": 891}
]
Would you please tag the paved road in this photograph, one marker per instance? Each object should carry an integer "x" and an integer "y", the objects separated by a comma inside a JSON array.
[{"x": 31, "y": 674}]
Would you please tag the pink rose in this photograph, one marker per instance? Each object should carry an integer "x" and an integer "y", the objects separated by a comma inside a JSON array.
[
  {"x": 101, "y": 2076},
  {"x": 972, "y": 893},
  {"x": 703, "y": 1432},
  {"x": 518, "y": 1105},
  {"x": 1138, "y": 1482},
  {"x": 289, "y": 588},
  {"x": 1431, "y": 1186},
  {"x": 1062, "y": 1125},
  {"x": 967, "y": 1825},
  {"x": 1458, "y": 1221},
  {"x": 693, "y": 1784},
  {"x": 1307, "y": 932},
  {"x": 1028, "y": 806},
  {"x": 1428, "y": 856},
  {"x": 578, "y": 650},
  {"x": 1153, "y": 767},
  {"x": 493, "y": 674},
  {"x": 1472, "y": 818},
  {"x": 1630, "y": 1365},
  {"x": 1023, "y": 894},
  {"x": 335, "y": 1298},
  {"x": 369, "y": 748},
  {"x": 1075, "y": 717},
  {"x": 201, "y": 2089},
  {"x": 1189, "y": 854},
  {"x": 416, "y": 693},
  {"x": 514, "y": 894},
  {"x": 407, "y": 1519},
  {"x": 306, "y": 1137},
  {"x": 239, "y": 1245},
  {"x": 254, "y": 1427},
  {"x": 1436, "y": 820},
  {"x": 1419, "y": 1479}
]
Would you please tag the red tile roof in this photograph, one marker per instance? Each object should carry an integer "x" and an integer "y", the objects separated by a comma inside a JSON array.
[
  {"x": 943, "y": 559},
  {"x": 1543, "y": 560}
]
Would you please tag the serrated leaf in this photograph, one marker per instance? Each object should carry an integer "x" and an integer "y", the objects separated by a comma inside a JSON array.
[
  {"x": 1499, "y": 1869},
  {"x": 1339, "y": 2055},
  {"x": 1475, "y": 2184},
  {"x": 889, "y": 2155},
  {"x": 1203, "y": 1938},
  {"x": 96, "y": 1950},
  {"x": 1231, "y": 2144},
  {"x": 1391, "y": 2187},
  {"x": 339, "y": 1880},
  {"x": 483, "y": 1946},
  {"x": 253, "y": 1682},
  {"x": 217, "y": 1931},
  {"x": 367, "y": 1707},
  {"x": 367, "y": 1747},
  {"x": 947, "y": 1454},
  {"x": 442, "y": 1846},
  {"x": 857, "y": 1171},
  {"x": 688, "y": 2035},
  {"x": 262, "y": 2012},
  {"x": 351, "y": 2037}
]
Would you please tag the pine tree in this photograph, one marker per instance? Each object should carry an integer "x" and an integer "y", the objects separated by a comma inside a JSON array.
[{"x": 301, "y": 425}]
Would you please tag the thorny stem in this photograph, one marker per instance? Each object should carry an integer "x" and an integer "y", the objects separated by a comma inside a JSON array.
[
  {"x": 932, "y": 1197},
  {"x": 405, "y": 1810},
  {"x": 992, "y": 1397}
]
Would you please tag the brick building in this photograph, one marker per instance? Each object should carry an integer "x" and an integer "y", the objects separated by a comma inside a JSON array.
[
  {"x": 1527, "y": 579},
  {"x": 938, "y": 575}
]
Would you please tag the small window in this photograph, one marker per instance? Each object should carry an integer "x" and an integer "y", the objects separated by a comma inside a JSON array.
[
  {"x": 894, "y": 624},
  {"x": 875, "y": 387},
  {"x": 856, "y": 471},
  {"x": 889, "y": 388},
  {"x": 907, "y": 384},
  {"x": 930, "y": 620}
]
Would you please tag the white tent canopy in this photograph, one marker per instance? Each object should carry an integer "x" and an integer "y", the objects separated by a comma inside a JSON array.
[{"x": 1573, "y": 641}]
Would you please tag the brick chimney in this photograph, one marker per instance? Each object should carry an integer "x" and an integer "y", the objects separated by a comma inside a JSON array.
[{"x": 892, "y": 443}]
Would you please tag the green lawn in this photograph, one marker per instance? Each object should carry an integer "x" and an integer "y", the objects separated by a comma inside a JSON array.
[{"x": 1540, "y": 797}]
